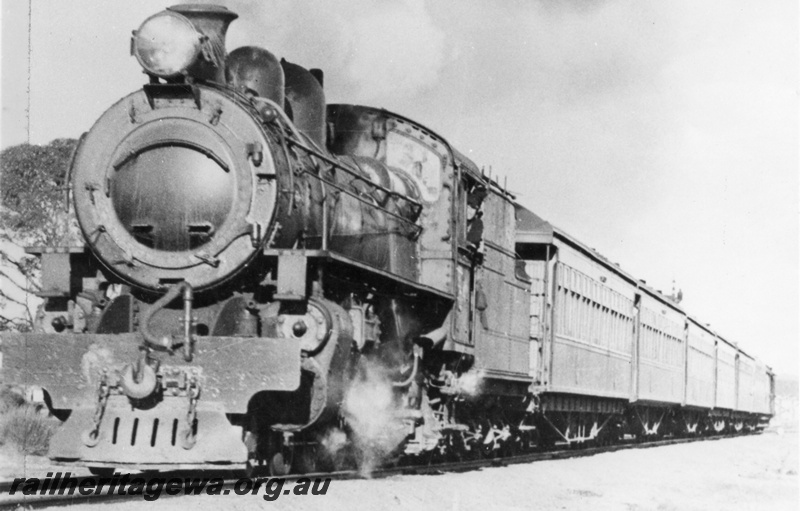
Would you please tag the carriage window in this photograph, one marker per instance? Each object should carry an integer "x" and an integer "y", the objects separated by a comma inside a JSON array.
[{"x": 419, "y": 161}]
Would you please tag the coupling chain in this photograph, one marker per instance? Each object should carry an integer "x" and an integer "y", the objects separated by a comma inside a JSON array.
[
  {"x": 92, "y": 436},
  {"x": 193, "y": 393}
]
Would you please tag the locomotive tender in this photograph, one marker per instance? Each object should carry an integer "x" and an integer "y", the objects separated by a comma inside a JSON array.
[{"x": 252, "y": 254}]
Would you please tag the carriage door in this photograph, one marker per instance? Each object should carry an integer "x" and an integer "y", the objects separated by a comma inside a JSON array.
[{"x": 533, "y": 269}]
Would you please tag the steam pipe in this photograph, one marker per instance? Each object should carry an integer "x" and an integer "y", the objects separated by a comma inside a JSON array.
[
  {"x": 212, "y": 21},
  {"x": 182, "y": 288},
  {"x": 188, "y": 339},
  {"x": 325, "y": 220},
  {"x": 411, "y": 377}
]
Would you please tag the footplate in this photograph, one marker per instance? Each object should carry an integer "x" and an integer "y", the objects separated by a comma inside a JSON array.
[{"x": 158, "y": 437}]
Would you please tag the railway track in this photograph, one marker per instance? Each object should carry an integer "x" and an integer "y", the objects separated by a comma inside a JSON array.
[{"x": 17, "y": 500}]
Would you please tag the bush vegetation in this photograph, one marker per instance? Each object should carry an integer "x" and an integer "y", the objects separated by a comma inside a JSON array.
[
  {"x": 27, "y": 427},
  {"x": 34, "y": 191}
]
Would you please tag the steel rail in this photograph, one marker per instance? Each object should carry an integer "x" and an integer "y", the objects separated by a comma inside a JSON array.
[{"x": 40, "y": 501}]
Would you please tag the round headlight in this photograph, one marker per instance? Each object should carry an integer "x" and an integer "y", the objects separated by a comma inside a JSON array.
[{"x": 166, "y": 44}]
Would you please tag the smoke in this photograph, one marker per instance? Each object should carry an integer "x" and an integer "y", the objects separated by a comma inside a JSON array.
[
  {"x": 366, "y": 48},
  {"x": 408, "y": 54}
]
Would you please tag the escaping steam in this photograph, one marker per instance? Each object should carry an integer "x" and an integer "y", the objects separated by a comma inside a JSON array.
[
  {"x": 373, "y": 414},
  {"x": 471, "y": 382},
  {"x": 333, "y": 442}
]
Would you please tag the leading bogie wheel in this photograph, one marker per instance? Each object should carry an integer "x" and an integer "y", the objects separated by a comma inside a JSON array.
[{"x": 280, "y": 463}]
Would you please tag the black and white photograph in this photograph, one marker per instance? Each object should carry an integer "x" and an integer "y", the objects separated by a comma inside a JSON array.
[{"x": 410, "y": 254}]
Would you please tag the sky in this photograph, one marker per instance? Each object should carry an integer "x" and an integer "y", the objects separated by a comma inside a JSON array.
[{"x": 662, "y": 133}]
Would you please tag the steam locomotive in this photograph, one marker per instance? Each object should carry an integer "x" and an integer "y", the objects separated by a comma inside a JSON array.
[{"x": 269, "y": 280}]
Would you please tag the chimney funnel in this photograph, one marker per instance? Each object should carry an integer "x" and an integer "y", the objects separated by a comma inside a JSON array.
[{"x": 212, "y": 21}]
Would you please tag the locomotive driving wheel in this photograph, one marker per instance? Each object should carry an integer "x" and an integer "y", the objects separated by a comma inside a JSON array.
[
  {"x": 456, "y": 445},
  {"x": 474, "y": 439},
  {"x": 513, "y": 442},
  {"x": 530, "y": 439},
  {"x": 307, "y": 459},
  {"x": 487, "y": 441}
]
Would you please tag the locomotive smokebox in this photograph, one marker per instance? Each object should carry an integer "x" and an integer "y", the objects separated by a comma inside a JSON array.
[
  {"x": 180, "y": 181},
  {"x": 177, "y": 182}
]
